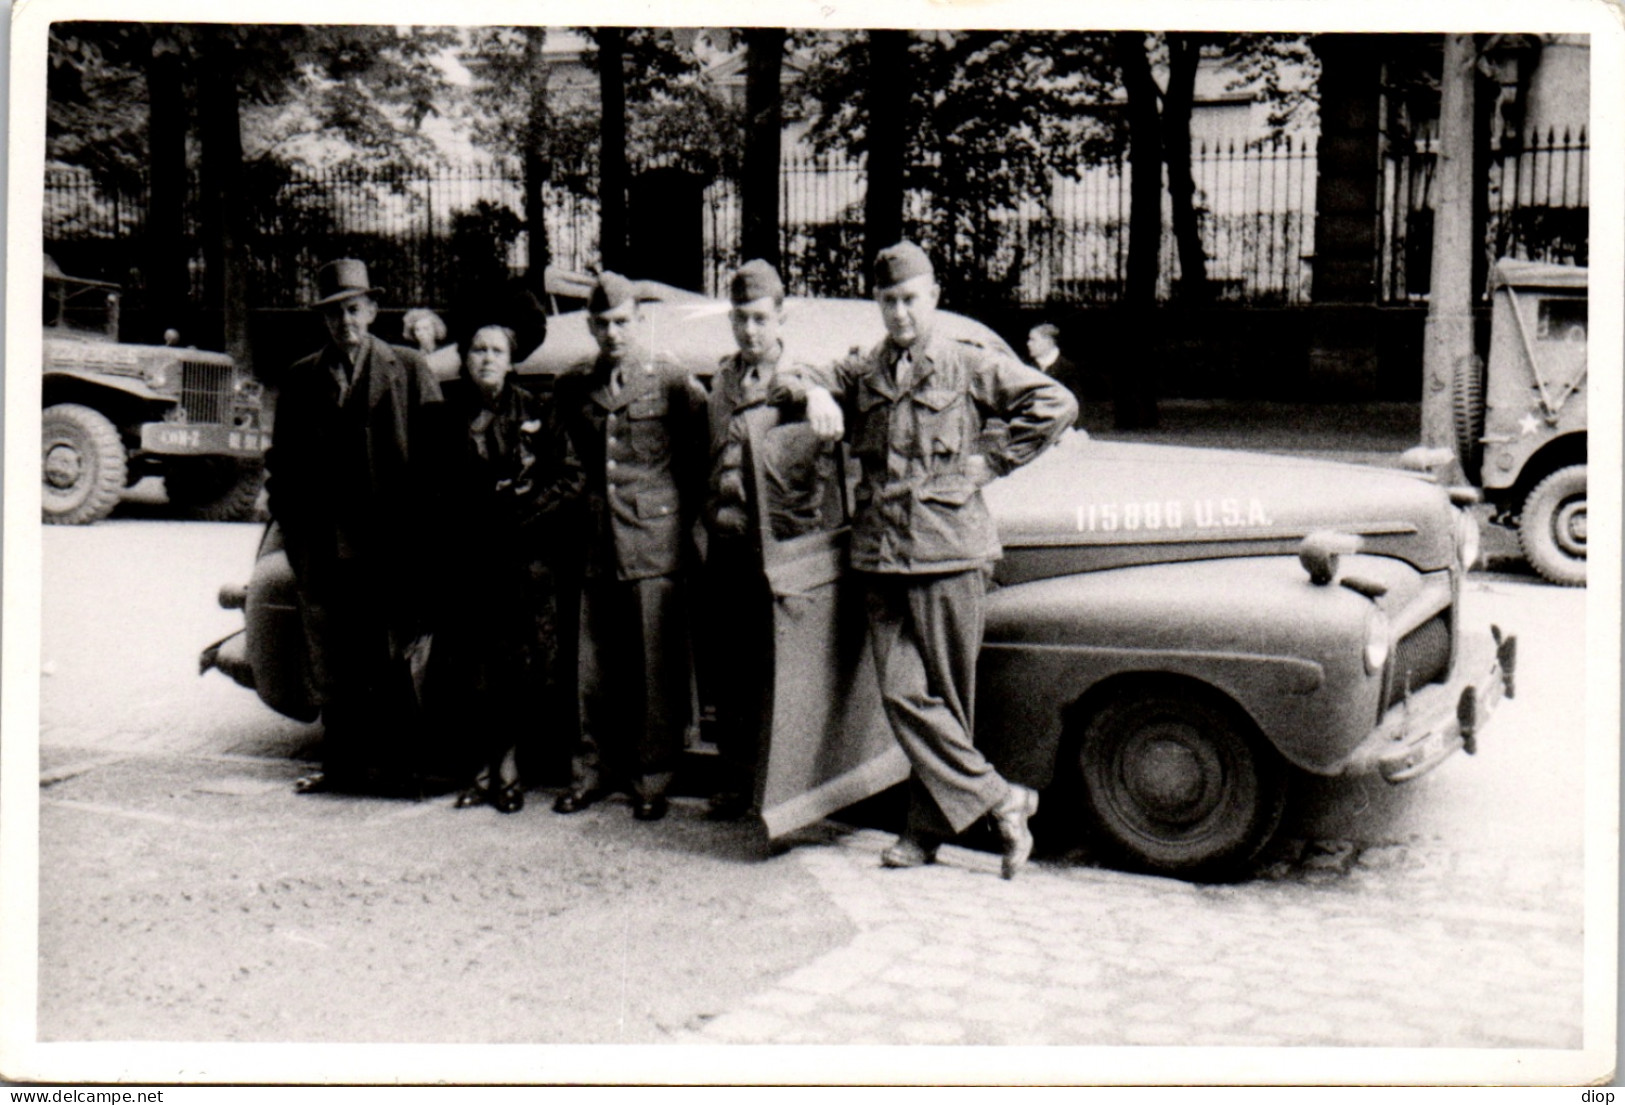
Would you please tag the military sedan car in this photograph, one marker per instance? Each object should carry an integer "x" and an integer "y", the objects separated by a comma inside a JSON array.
[{"x": 1174, "y": 636}]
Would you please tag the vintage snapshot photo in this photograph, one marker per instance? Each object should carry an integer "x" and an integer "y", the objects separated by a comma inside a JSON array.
[{"x": 1015, "y": 543}]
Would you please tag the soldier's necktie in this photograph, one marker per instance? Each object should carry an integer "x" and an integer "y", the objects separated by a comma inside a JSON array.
[{"x": 905, "y": 365}]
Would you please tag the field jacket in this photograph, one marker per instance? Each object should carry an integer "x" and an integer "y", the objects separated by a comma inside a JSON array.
[{"x": 919, "y": 502}]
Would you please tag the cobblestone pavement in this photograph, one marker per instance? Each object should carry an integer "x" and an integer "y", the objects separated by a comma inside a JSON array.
[{"x": 1338, "y": 946}]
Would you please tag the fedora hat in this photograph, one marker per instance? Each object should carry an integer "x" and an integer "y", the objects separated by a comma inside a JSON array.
[{"x": 345, "y": 278}]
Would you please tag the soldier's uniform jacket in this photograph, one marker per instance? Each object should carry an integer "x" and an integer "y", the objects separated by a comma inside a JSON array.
[
  {"x": 919, "y": 502},
  {"x": 733, "y": 391},
  {"x": 643, "y": 450}
]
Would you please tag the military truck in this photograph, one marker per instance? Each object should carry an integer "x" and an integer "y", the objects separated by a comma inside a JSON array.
[
  {"x": 115, "y": 412},
  {"x": 1520, "y": 420}
]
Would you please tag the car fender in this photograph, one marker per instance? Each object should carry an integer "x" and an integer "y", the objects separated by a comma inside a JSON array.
[
  {"x": 129, "y": 385},
  {"x": 1287, "y": 652},
  {"x": 276, "y": 636}
]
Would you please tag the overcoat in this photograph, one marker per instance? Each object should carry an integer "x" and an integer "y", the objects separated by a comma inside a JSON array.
[{"x": 360, "y": 485}]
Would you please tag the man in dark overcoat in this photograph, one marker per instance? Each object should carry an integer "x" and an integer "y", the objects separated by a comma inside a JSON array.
[
  {"x": 356, "y": 456},
  {"x": 636, "y": 420},
  {"x": 914, "y": 407}
]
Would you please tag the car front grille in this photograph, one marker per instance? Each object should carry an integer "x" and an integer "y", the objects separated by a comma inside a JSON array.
[
  {"x": 1421, "y": 657},
  {"x": 205, "y": 391}
]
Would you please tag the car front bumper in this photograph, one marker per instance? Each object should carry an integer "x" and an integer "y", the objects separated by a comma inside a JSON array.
[
  {"x": 1416, "y": 735},
  {"x": 203, "y": 439}
]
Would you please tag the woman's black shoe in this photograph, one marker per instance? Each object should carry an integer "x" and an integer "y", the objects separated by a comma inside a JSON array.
[
  {"x": 510, "y": 799},
  {"x": 574, "y": 801},
  {"x": 649, "y": 809}
]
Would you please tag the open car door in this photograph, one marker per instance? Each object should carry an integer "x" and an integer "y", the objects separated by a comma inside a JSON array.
[{"x": 828, "y": 742}]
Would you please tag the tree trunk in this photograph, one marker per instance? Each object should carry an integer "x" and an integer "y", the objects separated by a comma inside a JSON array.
[
  {"x": 220, "y": 129},
  {"x": 538, "y": 166},
  {"x": 612, "y": 169},
  {"x": 886, "y": 96},
  {"x": 1134, "y": 401},
  {"x": 1145, "y": 170},
  {"x": 1184, "y": 50},
  {"x": 759, "y": 188},
  {"x": 1448, "y": 340},
  {"x": 168, "y": 281}
]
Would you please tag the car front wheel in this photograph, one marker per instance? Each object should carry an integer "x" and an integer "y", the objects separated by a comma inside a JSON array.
[
  {"x": 1180, "y": 785},
  {"x": 83, "y": 465}
]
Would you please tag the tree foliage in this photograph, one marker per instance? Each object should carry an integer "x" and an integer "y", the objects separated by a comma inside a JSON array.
[{"x": 994, "y": 113}]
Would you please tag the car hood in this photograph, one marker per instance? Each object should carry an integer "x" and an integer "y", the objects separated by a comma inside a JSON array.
[
  {"x": 695, "y": 332},
  {"x": 1087, "y": 505}
]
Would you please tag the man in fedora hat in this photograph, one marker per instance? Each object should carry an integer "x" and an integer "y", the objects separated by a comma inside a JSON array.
[
  {"x": 922, "y": 539},
  {"x": 351, "y": 482},
  {"x": 636, "y": 420}
]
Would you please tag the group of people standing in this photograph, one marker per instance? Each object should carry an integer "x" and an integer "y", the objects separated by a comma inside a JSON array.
[{"x": 479, "y": 561}]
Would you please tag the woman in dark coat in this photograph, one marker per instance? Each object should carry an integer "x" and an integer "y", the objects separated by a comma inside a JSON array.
[{"x": 512, "y": 489}]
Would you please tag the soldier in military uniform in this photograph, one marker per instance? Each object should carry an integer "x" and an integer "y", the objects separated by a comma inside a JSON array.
[
  {"x": 735, "y": 645},
  {"x": 637, "y": 423},
  {"x": 922, "y": 539}
]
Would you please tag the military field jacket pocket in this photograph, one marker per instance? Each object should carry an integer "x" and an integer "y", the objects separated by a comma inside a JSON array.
[
  {"x": 657, "y": 503},
  {"x": 954, "y": 491},
  {"x": 940, "y": 415},
  {"x": 647, "y": 417}
]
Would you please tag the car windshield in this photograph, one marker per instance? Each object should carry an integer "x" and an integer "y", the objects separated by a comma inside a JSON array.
[{"x": 81, "y": 305}]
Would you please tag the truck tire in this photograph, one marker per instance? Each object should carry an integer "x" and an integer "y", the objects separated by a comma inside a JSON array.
[
  {"x": 214, "y": 489},
  {"x": 1467, "y": 414},
  {"x": 1180, "y": 785},
  {"x": 83, "y": 464},
  {"x": 1552, "y": 529}
]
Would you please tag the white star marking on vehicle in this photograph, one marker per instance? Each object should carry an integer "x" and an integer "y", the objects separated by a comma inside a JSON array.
[{"x": 1528, "y": 424}]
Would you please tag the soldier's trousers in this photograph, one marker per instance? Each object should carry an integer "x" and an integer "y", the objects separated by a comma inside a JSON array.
[
  {"x": 925, "y": 631},
  {"x": 733, "y": 637},
  {"x": 634, "y": 685}
]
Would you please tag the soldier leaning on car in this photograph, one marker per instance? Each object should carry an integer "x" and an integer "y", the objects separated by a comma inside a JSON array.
[
  {"x": 354, "y": 483},
  {"x": 734, "y": 639},
  {"x": 637, "y": 422},
  {"x": 922, "y": 539}
]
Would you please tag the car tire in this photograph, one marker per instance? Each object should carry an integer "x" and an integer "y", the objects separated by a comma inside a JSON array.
[
  {"x": 214, "y": 489},
  {"x": 1552, "y": 529},
  {"x": 1467, "y": 414},
  {"x": 1180, "y": 784},
  {"x": 83, "y": 463}
]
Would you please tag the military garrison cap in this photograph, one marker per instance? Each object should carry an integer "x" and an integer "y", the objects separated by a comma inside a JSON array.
[
  {"x": 755, "y": 280},
  {"x": 609, "y": 291},
  {"x": 901, "y": 262}
]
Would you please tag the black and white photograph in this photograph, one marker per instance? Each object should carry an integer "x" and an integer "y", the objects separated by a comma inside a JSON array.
[{"x": 922, "y": 544}]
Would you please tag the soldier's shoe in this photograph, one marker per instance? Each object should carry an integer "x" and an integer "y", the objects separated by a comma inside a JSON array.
[
  {"x": 909, "y": 852},
  {"x": 1011, "y": 815}
]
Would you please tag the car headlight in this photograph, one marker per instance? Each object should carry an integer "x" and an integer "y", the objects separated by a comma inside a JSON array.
[
  {"x": 1467, "y": 539},
  {"x": 1376, "y": 641}
]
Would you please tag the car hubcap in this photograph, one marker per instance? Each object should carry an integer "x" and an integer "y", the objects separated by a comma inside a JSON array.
[
  {"x": 63, "y": 466},
  {"x": 1171, "y": 775},
  {"x": 1570, "y": 527}
]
